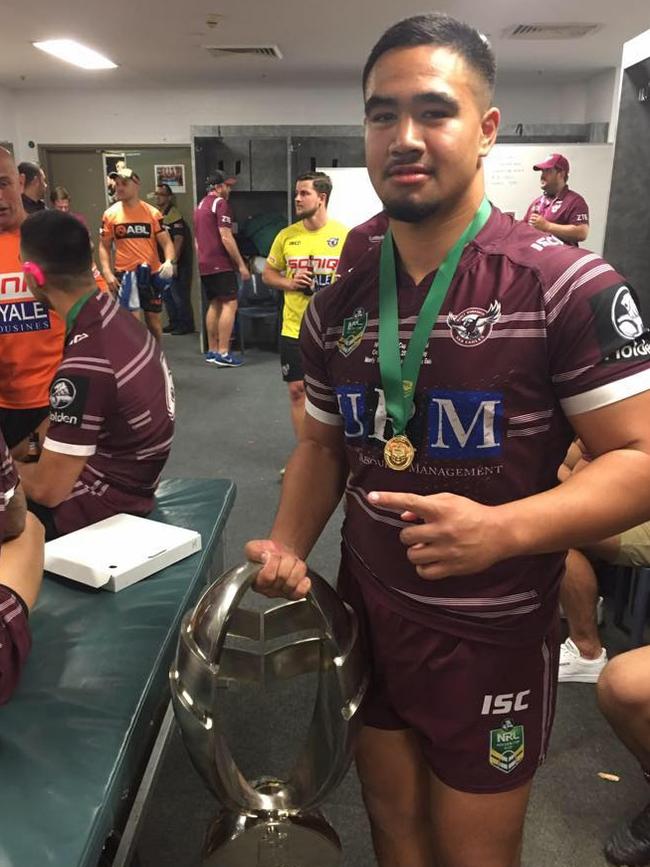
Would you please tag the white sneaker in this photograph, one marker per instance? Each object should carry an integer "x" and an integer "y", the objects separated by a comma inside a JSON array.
[{"x": 575, "y": 668}]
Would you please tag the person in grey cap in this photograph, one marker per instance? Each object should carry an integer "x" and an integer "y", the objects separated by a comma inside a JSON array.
[{"x": 558, "y": 211}]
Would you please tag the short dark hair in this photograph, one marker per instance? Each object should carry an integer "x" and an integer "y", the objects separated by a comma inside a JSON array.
[
  {"x": 58, "y": 194},
  {"x": 59, "y": 243},
  {"x": 29, "y": 170},
  {"x": 322, "y": 183},
  {"x": 166, "y": 188},
  {"x": 442, "y": 30}
]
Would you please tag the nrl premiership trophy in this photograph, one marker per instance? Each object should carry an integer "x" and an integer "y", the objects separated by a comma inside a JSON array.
[{"x": 269, "y": 822}]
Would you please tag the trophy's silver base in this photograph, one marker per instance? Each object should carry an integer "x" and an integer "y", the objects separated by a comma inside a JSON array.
[{"x": 282, "y": 840}]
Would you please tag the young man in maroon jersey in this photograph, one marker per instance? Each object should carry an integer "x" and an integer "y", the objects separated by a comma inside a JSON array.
[
  {"x": 219, "y": 258},
  {"x": 111, "y": 400},
  {"x": 442, "y": 394}
]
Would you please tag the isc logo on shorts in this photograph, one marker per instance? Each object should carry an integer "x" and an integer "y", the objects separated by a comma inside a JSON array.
[{"x": 505, "y": 703}]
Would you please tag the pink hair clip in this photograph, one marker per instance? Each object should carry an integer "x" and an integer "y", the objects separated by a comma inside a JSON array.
[{"x": 36, "y": 271}]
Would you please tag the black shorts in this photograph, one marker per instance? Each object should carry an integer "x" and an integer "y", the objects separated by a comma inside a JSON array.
[
  {"x": 291, "y": 359},
  {"x": 150, "y": 292},
  {"x": 222, "y": 286},
  {"x": 16, "y": 424},
  {"x": 46, "y": 516}
]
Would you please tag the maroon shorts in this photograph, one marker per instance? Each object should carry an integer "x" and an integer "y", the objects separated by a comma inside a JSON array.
[
  {"x": 483, "y": 712},
  {"x": 15, "y": 641}
]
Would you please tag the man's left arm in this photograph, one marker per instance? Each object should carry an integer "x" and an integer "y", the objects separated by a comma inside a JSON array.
[{"x": 51, "y": 479}]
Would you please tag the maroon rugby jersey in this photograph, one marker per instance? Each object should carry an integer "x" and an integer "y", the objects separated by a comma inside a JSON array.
[
  {"x": 567, "y": 208},
  {"x": 362, "y": 238},
  {"x": 8, "y": 482},
  {"x": 112, "y": 401},
  {"x": 531, "y": 331},
  {"x": 211, "y": 214}
]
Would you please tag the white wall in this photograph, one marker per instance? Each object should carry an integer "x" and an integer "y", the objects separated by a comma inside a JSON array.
[
  {"x": 7, "y": 116},
  {"x": 601, "y": 90},
  {"x": 149, "y": 116},
  {"x": 636, "y": 49},
  {"x": 541, "y": 103},
  {"x": 156, "y": 115}
]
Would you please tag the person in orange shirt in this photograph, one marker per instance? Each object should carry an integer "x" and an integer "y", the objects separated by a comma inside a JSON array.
[
  {"x": 133, "y": 228},
  {"x": 31, "y": 336}
]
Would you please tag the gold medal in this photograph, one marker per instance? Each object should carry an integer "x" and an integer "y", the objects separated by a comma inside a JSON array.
[{"x": 399, "y": 453}]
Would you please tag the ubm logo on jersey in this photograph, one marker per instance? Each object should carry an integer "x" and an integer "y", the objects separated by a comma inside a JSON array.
[
  {"x": 461, "y": 425},
  {"x": 18, "y": 310}
]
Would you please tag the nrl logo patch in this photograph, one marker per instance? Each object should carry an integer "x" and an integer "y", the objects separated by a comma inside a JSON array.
[
  {"x": 473, "y": 325},
  {"x": 332, "y": 242},
  {"x": 507, "y": 747},
  {"x": 354, "y": 327}
]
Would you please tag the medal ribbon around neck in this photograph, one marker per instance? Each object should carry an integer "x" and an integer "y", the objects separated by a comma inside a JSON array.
[{"x": 399, "y": 379}]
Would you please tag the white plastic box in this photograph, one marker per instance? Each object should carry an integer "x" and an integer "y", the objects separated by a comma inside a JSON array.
[{"x": 119, "y": 551}]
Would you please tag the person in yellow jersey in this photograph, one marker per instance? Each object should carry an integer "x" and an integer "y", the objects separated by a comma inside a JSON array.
[{"x": 303, "y": 259}]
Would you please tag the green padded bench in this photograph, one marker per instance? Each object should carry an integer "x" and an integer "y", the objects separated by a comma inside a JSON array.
[{"x": 81, "y": 739}]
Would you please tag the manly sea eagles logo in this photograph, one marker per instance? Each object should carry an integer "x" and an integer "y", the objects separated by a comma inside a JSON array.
[{"x": 473, "y": 325}]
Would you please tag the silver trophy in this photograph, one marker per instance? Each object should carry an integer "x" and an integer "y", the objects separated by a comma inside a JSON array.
[{"x": 270, "y": 822}]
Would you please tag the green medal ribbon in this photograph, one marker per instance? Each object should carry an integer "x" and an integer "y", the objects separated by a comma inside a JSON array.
[{"x": 399, "y": 379}]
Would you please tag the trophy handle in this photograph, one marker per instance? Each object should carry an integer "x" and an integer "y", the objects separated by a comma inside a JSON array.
[{"x": 326, "y": 755}]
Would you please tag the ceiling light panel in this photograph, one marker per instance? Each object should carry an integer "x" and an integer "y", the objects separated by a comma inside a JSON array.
[{"x": 75, "y": 53}]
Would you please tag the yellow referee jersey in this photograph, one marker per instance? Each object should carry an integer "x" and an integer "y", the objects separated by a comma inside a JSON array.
[{"x": 291, "y": 252}]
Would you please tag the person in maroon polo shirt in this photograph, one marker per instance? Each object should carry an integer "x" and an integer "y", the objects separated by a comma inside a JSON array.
[
  {"x": 112, "y": 397},
  {"x": 21, "y": 571},
  {"x": 219, "y": 258},
  {"x": 445, "y": 378},
  {"x": 558, "y": 211}
]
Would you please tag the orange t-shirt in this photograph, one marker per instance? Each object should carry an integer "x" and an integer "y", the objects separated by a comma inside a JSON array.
[
  {"x": 133, "y": 230},
  {"x": 31, "y": 336}
]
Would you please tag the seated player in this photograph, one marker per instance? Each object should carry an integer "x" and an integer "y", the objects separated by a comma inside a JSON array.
[
  {"x": 582, "y": 656},
  {"x": 21, "y": 571},
  {"x": 112, "y": 398},
  {"x": 624, "y": 698}
]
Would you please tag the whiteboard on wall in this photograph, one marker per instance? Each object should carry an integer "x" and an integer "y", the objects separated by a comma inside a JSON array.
[{"x": 510, "y": 182}]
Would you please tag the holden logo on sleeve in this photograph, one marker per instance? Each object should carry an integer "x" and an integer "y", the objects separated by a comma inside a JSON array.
[
  {"x": 332, "y": 242},
  {"x": 473, "y": 325},
  {"x": 626, "y": 317},
  {"x": 62, "y": 394}
]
